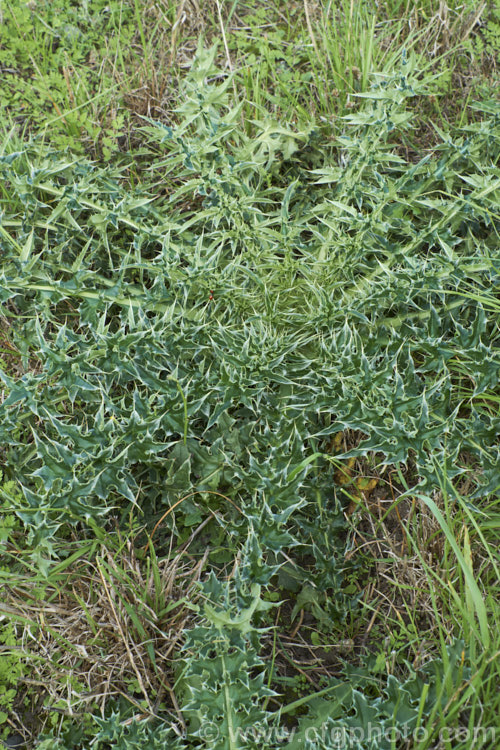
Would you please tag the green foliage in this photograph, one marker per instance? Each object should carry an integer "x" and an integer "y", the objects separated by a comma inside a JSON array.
[
  {"x": 114, "y": 733},
  {"x": 223, "y": 681},
  {"x": 296, "y": 58},
  {"x": 53, "y": 53},
  {"x": 487, "y": 41},
  {"x": 366, "y": 714},
  {"x": 11, "y": 670},
  {"x": 9, "y": 494},
  {"x": 354, "y": 319},
  {"x": 133, "y": 736},
  {"x": 215, "y": 338}
]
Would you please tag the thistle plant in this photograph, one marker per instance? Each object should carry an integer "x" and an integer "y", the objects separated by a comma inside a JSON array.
[{"x": 216, "y": 339}]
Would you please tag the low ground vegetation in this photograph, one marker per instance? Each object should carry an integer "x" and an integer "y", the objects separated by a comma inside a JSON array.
[{"x": 249, "y": 405}]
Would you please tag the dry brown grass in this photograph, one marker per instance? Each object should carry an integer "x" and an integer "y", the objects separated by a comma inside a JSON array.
[
  {"x": 412, "y": 570},
  {"x": 153, "y": 89},
  {"x": 401, "y": 547},
  {"x": 107, "y": 627}
]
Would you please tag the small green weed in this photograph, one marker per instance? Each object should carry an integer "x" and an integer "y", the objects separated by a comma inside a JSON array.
[
  {"x": 11, "y": 672},
  {"x": 58, "y": 60}
]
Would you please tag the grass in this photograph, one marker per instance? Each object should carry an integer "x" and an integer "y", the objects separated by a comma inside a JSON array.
[
  {"x": 441, "y": 587},
  {"x": 249, "y": 408}
]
